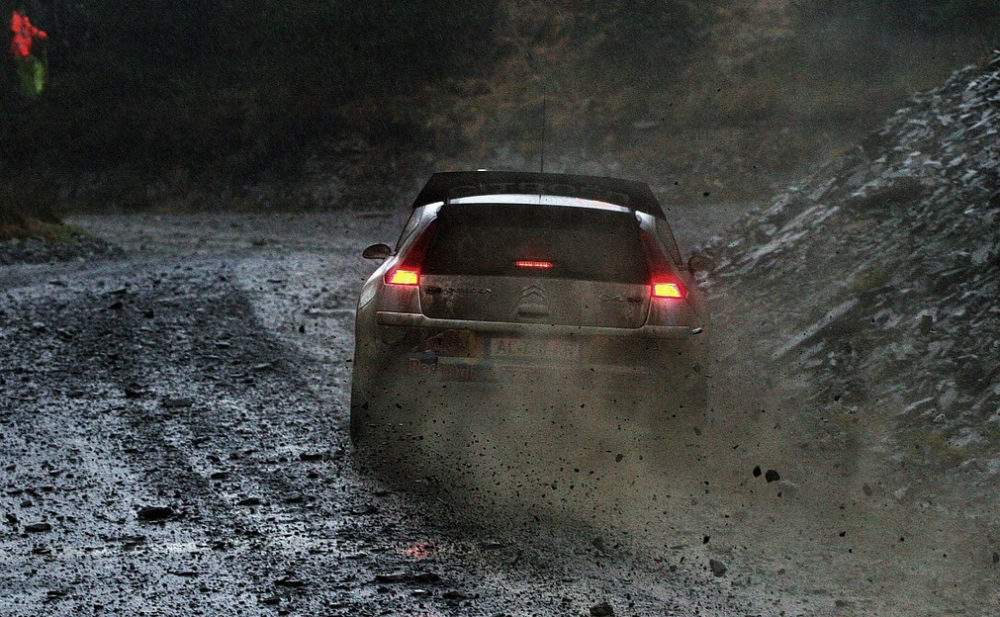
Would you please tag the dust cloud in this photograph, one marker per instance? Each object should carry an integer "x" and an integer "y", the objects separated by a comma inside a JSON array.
[{"x": 750, "y": 492}]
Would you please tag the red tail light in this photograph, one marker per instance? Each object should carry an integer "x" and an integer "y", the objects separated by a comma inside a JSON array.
[
  {"x": 533, "y": 264},
  {"x": 407, "y": 273},
  {"x": 667, "y": 288},
  {"x": 403, "y": 276}
]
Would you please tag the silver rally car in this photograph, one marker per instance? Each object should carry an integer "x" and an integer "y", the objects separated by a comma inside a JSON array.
[{"x": 507, "y": 286}]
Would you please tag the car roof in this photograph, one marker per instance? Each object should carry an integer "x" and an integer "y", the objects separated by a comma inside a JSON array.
[{"x": 448, "y": 185}]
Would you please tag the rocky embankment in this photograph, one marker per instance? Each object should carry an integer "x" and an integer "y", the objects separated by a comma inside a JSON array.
[{"x": 875, "y": 280}]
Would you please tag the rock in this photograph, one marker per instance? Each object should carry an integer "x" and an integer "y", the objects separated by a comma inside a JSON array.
[
  {"x": 718, "y": 568},
  {"x": 250, "y": 501},
  {"x": 151, "y": 514},
  {"x": 176, "y": 403},
  {"x": 772, "y": 475},
  {"x": 867, "y": 490},
  {"x": 289, "y": 581},
  {"x": 756, "y": 471},
  {"x": 11, "y": 519},
  {"x": 310, "y": 457},
  {"x": 134, "y": 390},
  {"x": 602, "y": 610},
  {"x": 426, "y": 577},
  {"x": 38, "y": 528},
  {"x": 392, "y": 577},
  {"x": 400, "y": 576}
]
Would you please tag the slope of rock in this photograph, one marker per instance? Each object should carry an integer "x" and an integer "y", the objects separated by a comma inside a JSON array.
[{"x": 876, "y": 280}]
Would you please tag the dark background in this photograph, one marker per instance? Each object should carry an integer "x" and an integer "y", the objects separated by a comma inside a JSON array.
[{"x": 233, "y": 104}]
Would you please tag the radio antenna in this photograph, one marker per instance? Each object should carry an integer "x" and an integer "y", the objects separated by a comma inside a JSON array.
[{"x": 541, "y": 162}]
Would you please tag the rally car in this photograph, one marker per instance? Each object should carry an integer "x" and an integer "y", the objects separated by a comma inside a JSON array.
[{"x": 535, "y": 283}]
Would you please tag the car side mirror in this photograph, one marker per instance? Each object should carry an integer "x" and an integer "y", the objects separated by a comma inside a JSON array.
[
  {"x": 700, "y": 263},
  {"x": 377, "y": 251}
]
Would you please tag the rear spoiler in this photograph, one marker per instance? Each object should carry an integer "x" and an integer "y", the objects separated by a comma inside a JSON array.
[{"x": 447, "y": 185}]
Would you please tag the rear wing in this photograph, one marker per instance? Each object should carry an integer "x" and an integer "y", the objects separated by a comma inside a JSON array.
[{"x": 444, "y": 186}]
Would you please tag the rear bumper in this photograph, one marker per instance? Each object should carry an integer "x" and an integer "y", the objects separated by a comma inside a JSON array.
[
  {"x": 411, "y": 373},
  {"x": 584, "y": 357},
  {"x": 417, "y": 320}
]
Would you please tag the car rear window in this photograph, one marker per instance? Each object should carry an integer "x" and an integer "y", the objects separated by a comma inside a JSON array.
[{"x": 580, "y": 243}]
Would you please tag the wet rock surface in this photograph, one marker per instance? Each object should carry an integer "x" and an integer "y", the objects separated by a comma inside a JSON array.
[{"x": 887, "y": 264}]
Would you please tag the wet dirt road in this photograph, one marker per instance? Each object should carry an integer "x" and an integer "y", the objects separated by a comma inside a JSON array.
[
  {"x": 173, "y": 440},
  {"x": 173, "y": 430}
]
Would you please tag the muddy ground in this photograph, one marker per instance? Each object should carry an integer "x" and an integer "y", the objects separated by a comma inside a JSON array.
[{"x": 173, "y": 439}]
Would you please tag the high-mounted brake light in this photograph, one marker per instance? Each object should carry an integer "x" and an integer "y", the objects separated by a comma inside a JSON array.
[
  {"x": 536, "y": 265},
  {"x": 403, "y": 276},
  {"x": 668, "y": 289}
]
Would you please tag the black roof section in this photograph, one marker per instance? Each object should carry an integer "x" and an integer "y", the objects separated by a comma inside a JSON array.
[{"x": 447, "y": 185}]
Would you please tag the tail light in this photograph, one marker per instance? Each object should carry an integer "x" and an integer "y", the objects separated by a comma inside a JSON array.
[
  {"x": 667, "y": 288},
  {"x": 661, "y": 284},
  {"x": 403, "y": 276},
  {"x": 407, "y": 273}
]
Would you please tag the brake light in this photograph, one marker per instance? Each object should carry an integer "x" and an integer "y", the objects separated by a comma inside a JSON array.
[
  {"x": 668, "y": 289},
  {"x": 533, "y": 264},
  {"x": 407, "y": 273},
  {"x": 403, "y": 276}
]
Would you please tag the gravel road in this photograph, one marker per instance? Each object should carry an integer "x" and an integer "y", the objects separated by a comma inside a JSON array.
[
  {"x": 173, "y": 442},
  {"x": 173, "y": 433}
]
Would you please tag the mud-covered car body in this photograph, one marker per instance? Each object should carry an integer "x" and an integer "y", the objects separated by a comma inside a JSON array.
[{"x": 546, "y": 283}]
